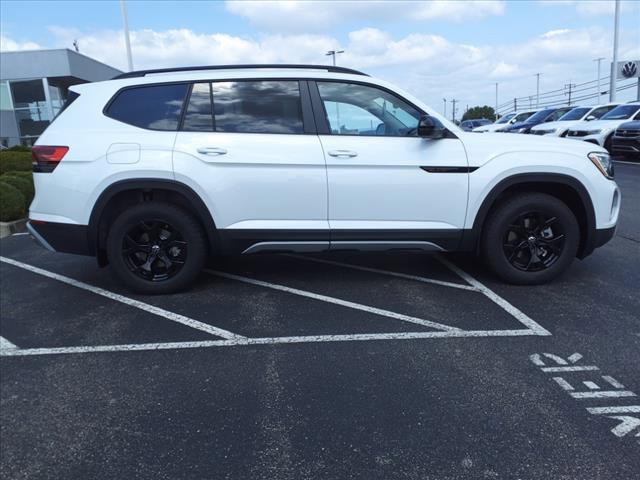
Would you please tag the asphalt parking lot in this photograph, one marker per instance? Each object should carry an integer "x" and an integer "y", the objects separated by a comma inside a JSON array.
[{"x": 325, "y": 367}]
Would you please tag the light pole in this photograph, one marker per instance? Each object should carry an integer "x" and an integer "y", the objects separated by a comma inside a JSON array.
[
  {"x": 125, "y": 22},
  {"x": 614, "y": 65},
  {"x": 332, "y": 54},
  {"x": 445, "y": 107},
  {"x": 538, "y": 89},
  {"x": 598, "y": 60}
]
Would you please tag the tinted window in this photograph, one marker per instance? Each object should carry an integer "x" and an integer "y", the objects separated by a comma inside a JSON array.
[
  {"x": 354, "y": 109},
  {"x": 198, "y": 117},
  {"x": 621, "y": 112},
  {"x": 156, "y": 107},
  {"x": 599, "y": 112},
  {"x": 558, "y": 114},
  {"x": 257, "y": 107},
  {"x": 540, "y": 116},
  {"x": 575, "y": 114}
]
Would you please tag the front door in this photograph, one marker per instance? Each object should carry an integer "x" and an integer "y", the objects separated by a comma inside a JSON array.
[{"x": 385, "y": 182}]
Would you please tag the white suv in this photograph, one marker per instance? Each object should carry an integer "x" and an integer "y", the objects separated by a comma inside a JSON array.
[
  {"x": 153, "y": 171},
  {"x": 560, "y": 127},
  {"x": 600, "y": 132}
]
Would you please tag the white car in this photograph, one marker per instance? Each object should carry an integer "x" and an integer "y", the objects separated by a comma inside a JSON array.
[
  {"x": 600, "y": 132},
  {"x": 560, "y": 127},
  {"x": 153, "y": 171},
  {"x": 504, "y": 121}
]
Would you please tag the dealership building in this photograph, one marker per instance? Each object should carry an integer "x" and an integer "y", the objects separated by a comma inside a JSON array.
[{"x": 34, "y": 86}]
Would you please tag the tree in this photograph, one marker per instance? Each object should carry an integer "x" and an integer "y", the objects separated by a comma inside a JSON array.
[{"x": 480, "y": 112}]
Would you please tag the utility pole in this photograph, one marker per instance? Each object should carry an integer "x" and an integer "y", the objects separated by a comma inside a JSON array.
[
  {"x": 332, "y": 54},
  {"x": 570, "y": 87},
  {"x": 599, "y": 59},
  {"x": 495, "y": 112},
  {"x": 125, "y": 23},
  {"x": 453, "y": 110},
  {"x": 515, "y": 105},
  {"x": 538, "y": 89},
  {"x": 614, "y": 64},
  {"x": 445, "y": 107}
]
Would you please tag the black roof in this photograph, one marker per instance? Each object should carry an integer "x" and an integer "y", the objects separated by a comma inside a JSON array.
[{"x": 328, "y": 68}]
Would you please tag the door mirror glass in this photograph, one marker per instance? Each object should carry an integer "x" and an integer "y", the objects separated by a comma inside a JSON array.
[
  {"x": 429, "y": 127},
  {"x": 590, "y": 117}
]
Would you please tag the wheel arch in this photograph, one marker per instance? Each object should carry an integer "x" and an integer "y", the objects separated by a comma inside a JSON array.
[
  {"x": 564, "y": 187},
  {"x": 126, "y": 192}
]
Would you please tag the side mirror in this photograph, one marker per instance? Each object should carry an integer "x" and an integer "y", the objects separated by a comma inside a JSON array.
[
  {"x": 590, "y": 117},
  {"x": 430, "y": 128}
]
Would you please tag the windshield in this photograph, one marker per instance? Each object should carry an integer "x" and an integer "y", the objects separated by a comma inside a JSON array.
[
  {"x": 505, "y": 118},
  {"x": 621, "y": 112},
  {"x": 540, "y": 116},
  {"x": 575, "y": 114}
]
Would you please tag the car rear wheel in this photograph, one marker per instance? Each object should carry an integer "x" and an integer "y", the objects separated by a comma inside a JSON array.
[
  {"x": 156, "y": 247},
  {"x": 530, "y": 239}
]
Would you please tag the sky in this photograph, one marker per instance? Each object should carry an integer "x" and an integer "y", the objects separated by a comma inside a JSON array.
[{"x": 433, "y": 49}]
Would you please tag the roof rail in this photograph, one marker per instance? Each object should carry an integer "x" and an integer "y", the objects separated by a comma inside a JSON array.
[{"x": 328, "y": 68}]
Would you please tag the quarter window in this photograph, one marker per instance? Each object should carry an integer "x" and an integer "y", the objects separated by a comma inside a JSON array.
[
  {"x": 354, "y": 109},
  {"x": 156, "y": 107},
  {"x": 199, "y": 115},
  {"x": 257, "y": 107}
]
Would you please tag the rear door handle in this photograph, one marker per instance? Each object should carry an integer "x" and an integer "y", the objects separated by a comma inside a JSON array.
[
  {"x": 212, "y": 151},
  {"x": 342, "y": 153}
]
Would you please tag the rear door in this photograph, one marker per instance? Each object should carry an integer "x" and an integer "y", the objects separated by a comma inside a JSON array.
[
  {"x": 385, "y": 182},
  {"x": 249, "y": 148}
]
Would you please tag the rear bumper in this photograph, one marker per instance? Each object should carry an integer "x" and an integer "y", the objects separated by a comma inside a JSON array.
[{"x": 60, "y": 237}]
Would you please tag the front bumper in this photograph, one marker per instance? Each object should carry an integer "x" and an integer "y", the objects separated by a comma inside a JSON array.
[
  {"x": 626, "y": 146},
  {"x": 60, "y": 237}
]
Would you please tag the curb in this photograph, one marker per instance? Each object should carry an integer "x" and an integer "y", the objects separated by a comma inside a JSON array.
[{"x": 9, "y": 228}]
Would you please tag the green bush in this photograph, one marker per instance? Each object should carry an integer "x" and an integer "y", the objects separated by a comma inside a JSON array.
[
  {"x": 22, "y": 184},
  {"x": 25, "y": 175},
  {"x": 15, "y": 161},
  {"x": 12, "y": 203},
  {"x": 19, "y": 148}
]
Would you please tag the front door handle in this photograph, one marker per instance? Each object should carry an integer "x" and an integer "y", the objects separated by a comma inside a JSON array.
[
  {"x": 212, "y": 151},
  {"x": 342, "y": 153}
]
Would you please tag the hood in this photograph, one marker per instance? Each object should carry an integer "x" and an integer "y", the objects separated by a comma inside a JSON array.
[
  {"x": 598, "y": 124},
  {"x": 492, "y": 127},
  {"x": 482, "y": 148}
]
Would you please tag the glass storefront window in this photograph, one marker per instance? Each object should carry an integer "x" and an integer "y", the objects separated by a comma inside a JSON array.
[
  {"x": 28, "y": 94},
  {"x": 5, "y": 98}
]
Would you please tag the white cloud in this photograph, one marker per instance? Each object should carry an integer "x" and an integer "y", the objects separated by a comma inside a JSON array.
[
  {"x": 296, "y": 15},
  {"x": 594, "y": 8},
  {"x": 8, "y": 44},
  {"x": 430, "y": 66}
]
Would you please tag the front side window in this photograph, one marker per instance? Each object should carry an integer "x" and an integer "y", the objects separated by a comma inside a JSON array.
[
  {"x": 261, "y": 106},
  {"x": 156, "y": 107},
  {"x": 354, "y": 109}
]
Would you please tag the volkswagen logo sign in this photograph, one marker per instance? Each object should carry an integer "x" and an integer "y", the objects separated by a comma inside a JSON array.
[{"x": 629, "y": 70}]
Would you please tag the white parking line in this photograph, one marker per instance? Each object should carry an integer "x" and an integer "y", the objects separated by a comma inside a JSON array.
[
  {"x": 497, "y": 299},
  {"x": 335, "y": 301},
  {"x": 175, "y": 317},
  {"x": 4, "y": 343},
  {"x": 265, "y": 341},
  {"x": 387, "y": 272}
]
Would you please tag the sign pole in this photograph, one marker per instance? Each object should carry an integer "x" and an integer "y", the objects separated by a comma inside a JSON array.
[{"x": 614, "y": 65}]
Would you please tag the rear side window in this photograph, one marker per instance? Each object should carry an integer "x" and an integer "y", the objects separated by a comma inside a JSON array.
[
  {"x": 257, "y": 107},
  {"x": 155, "y": 107}
]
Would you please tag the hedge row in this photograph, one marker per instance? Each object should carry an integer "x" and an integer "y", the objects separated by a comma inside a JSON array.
[
  {"x": 14, "y": 161},
  {"x": 16, "y": 193}
]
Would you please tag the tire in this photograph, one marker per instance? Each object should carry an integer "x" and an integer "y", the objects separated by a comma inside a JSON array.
[
  {"x": 520, "y": 252},
  {"x": 156, "y": 248}
]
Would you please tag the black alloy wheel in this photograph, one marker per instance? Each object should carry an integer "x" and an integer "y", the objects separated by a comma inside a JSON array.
[
  {"x": 154, "y": 250},
  {"x": 530, "y": 238},
  {"x": 533, "y": 241}
]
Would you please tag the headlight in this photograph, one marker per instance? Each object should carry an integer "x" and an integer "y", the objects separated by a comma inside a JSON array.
[
  {"x": 603, "y": 162},
  {"x": 548, "y": 131},
  {"x": 593, "y": 132}
]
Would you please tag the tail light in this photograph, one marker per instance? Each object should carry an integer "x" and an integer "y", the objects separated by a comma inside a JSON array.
[{"x": 45, "y": 159}]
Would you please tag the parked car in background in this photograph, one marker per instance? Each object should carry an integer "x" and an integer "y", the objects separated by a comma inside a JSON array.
[
  {"x": 469, "y": 125},
  {"x": 626, "y": 140},
  {"x": 543, "y": 116},
  {"x": 560, "y": 127},
  {"x": 504, "y": 121},
  {"x": 601, "y": 131}
]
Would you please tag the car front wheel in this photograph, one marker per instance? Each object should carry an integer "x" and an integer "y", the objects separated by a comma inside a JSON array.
[{"x": 530, "y": 238}]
